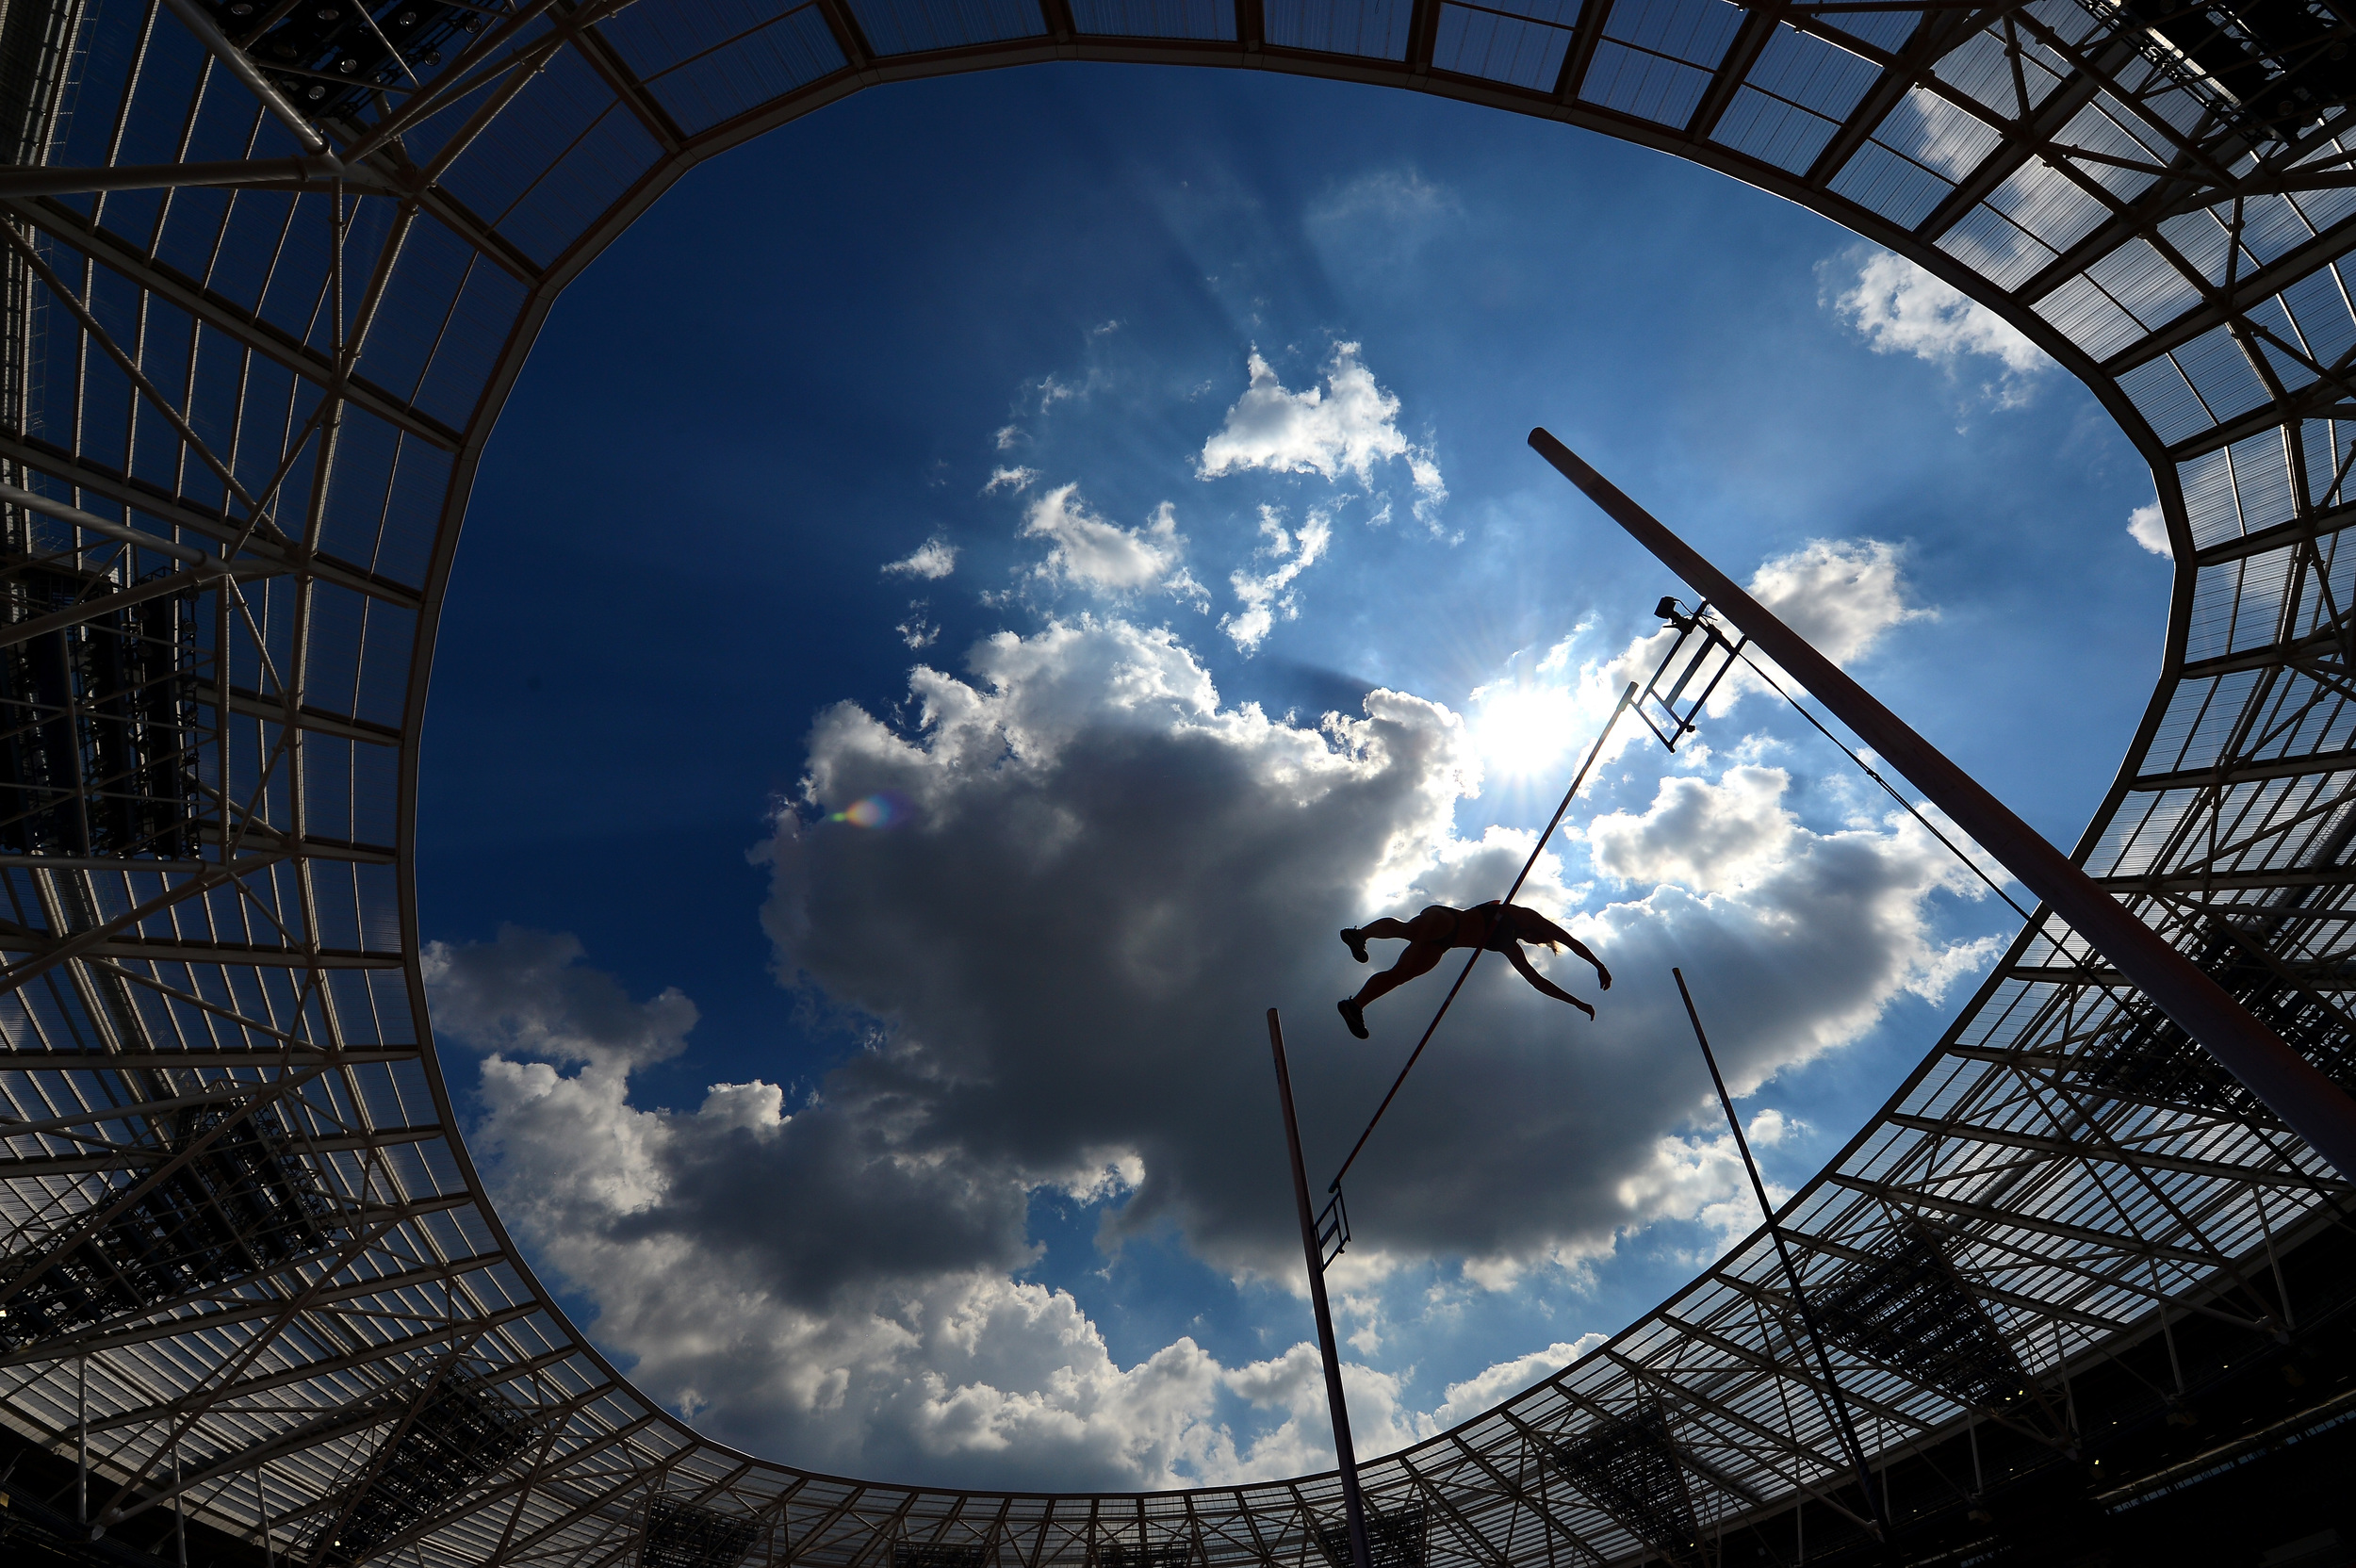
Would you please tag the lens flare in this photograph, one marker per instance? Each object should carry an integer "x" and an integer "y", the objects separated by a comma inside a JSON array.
[{"x": 882, "y": 811}]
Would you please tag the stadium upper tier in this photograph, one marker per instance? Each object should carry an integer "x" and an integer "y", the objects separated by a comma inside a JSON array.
[{"x": 266, "y": 287}]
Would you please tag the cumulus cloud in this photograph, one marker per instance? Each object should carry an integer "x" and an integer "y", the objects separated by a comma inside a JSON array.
[
  {"x": 1017, "y": 478},
  {"x": 2146, "y": 528},
  {"x": 1900, "y": 309},
  {"x": 1349, "y": 425},
  {"x": 1180, "y": 863},
  {"x": 1268, "y": 597},
  {"x": 933, "y": 560},
  {"x": 864, "y": 1315},
  {"x": 918, "y": 631},
  {"x": 1052, "y": 967},
  {"x": 1845, "y": 596},
  {"x": 1092, "y": 553}
]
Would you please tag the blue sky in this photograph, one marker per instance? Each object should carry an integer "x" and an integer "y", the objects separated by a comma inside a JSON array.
[{"x": 941, "y": 447}]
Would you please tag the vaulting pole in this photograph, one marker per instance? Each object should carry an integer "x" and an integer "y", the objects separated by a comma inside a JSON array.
[
  {"x": 2309, "y": 1103},
  {"x": 1844, "y": 1427},
  {"x": 1345, "y": 1451}
]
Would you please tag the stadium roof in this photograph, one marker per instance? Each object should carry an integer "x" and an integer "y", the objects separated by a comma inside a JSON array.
[{"x": 266, "y": 289}]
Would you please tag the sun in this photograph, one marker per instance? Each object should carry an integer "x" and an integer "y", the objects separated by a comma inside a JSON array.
[{"x": 1523, "y": 730}]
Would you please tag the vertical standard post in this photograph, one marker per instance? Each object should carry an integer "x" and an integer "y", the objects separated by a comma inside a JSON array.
[
  {"x": 2293, "y": 1088},
  {"x": 1345, "y": 1451},
  {"x": 81, "y": 1444},
  {"x": 1853, "y": 1449}
]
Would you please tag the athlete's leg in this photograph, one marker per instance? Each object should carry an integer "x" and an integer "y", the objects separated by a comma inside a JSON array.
[
  {"x": 1417, "y": 960},
  {"x": 1354, "y": 936},
  {"x": 1514, "y": 956}
]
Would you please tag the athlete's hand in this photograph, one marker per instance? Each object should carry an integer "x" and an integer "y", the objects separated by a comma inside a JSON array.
[{"x": 1605, "y": 975}]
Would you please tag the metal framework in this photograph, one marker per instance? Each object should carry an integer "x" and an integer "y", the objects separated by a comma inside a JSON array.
[{"x": 265, "y": 281}]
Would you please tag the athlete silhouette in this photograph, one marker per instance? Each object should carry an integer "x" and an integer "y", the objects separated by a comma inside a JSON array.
[{"x": 1495, "y": 927}]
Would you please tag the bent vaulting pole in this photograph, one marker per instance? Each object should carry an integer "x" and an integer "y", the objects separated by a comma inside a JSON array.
[
  {"x": 2312, "y": 1106},
  {"x": 1345, "y": 1451}
]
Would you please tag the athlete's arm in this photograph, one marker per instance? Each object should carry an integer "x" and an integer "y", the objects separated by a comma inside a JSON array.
[
  {"x": 1514, "y": 956},
  {"x": 1603, "y": 975}
]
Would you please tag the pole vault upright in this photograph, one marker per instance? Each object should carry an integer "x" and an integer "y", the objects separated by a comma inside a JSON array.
[
  {"x": 1345, "y": 1451},
  {"x": 2293, "y": 1088}
]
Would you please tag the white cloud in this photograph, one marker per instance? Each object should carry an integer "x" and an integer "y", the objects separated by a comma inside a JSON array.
[
  {"x": 1180, "y": 862},
  {"x": 1900, "y": 309},
  {"x": 1486, "y": 1390},
  {"x": 1017, "y": 478},
  {"x": 960, "y": 1371},
  {"x": 1391, "y": 198},
  {"x": 1089, "y": 551},
  {"x": 933, "y": 560},
  {"x": 1843, "y": 595},
  {"x": 1268, "y": 597},
  {"x": 1051, "y": 964},
  {"x": 1347, "y": 426},
  {"x": 918, "y": 631},
  {"x": 2149, "y": 529}
]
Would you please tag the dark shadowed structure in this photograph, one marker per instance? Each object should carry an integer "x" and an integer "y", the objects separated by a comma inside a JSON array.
[{"x": 262, "y": 293}]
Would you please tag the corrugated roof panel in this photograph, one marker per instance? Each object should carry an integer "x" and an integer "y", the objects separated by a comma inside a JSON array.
[
  {"x": 194, "y": 231},
  {"x": 1805, "y": 70},
  {"x": 1501, "y": 48},
  {"x": 653, "y": 39},
  {"x": 2325, "y": 207},
  {"x": 2262, "y": 479},
  {"x": 164, "y": 96},
  {"x": 2220, "y": 373},
  {"x": 1773, "y": 131},
  {"x": 2271, "y": 225},
  {"x": 249, "y": 244},
  {"x": 1980, "y": 68},
  {"x": 2212, "y": 509},
  {"x": 536, "y": 129},
  {"x": 2104, "y": 127},
  {"x": 1695, "y": 31},
  {"x": 1158, "y": 18},
  {"x": 2216, "y": 608},
  {"x": 1897, "y": 188},
  {"x": 294, "y": 299},
  {"x": 1886, "y": 30},
  {"x": 1936, "y": 133},
  {"x": 2049, "y": 203},
  {"x": 263, "y": 415},
  {"x": 746, "y": 73},
  {"x": 417, "y": 305},
  {"x": 354, "y": 514},
  {"x": 911, "y": 27},
  {"x": 2201, "y": 238},
  {"x": 1993, "y": 246},
  {"x": 2277, "y": 338},
  {"x": 1643, "y": 85},
  {"x": 483, "y": 315},
  {"x": 2321, "y": 312},
  {"x": 590, "y": 178},
  {"x": 1375, "y": 27},
  {"x": 2165, "y": 398},
  {"x": 2326, "y": 445},
  {"x": 2089, "y": 318},
  {"x": 2147, "y": 284},
  {"x": 412, "y": 512}
]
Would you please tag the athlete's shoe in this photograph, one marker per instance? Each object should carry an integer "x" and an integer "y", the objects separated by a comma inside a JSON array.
[
  {"x": 1356, "y": 941},
  {"x": 1353, "y": 1015}
]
